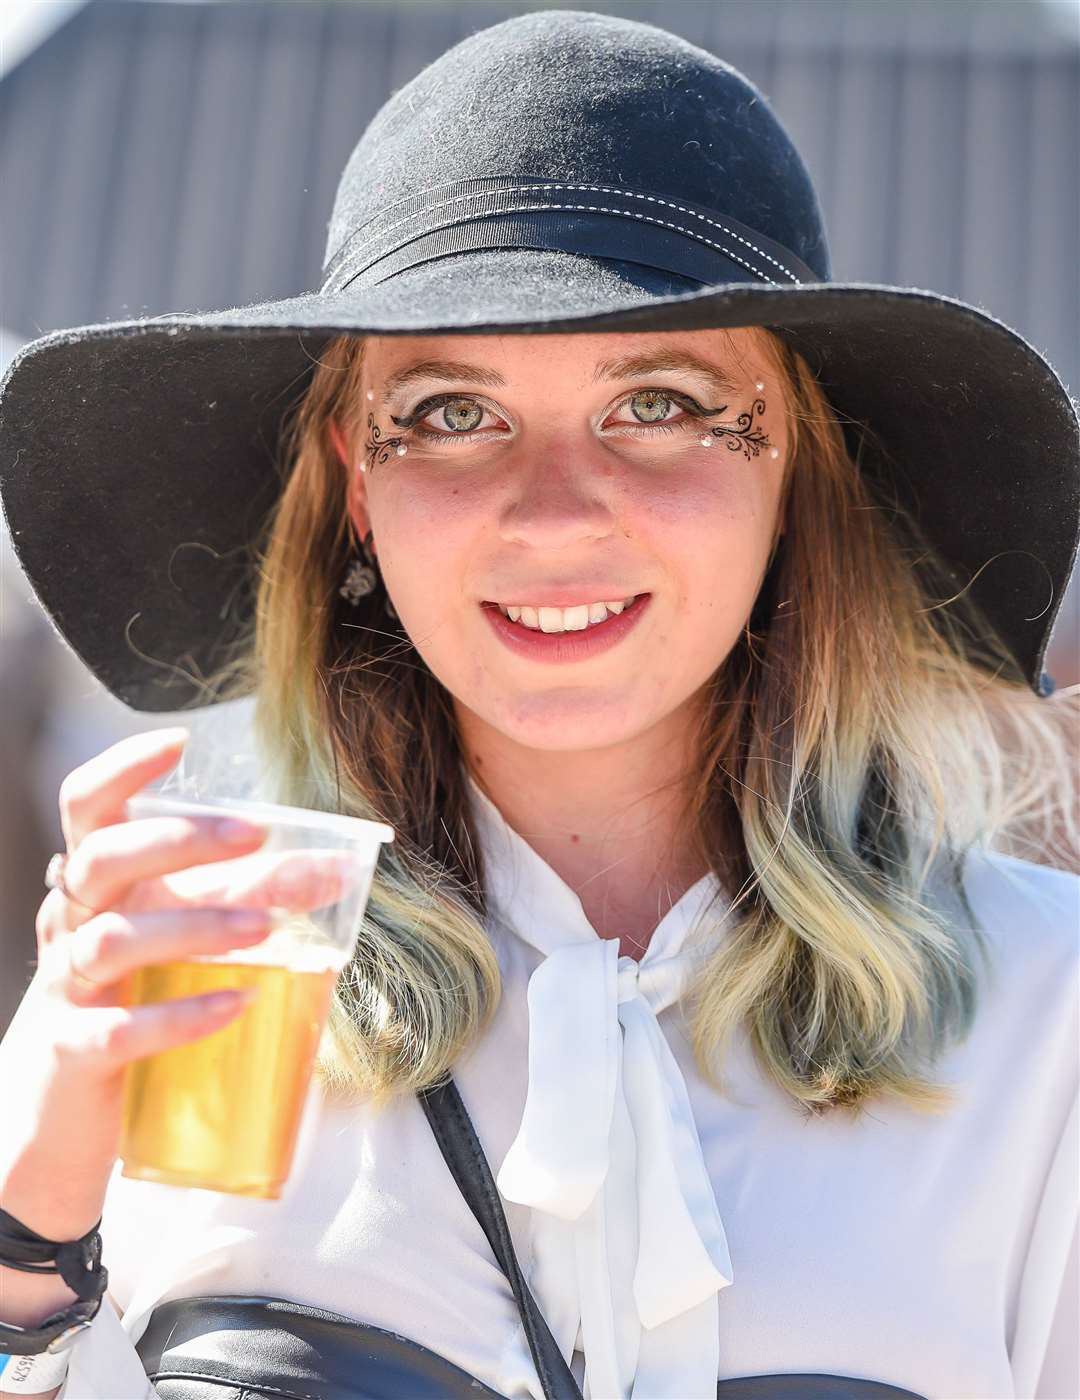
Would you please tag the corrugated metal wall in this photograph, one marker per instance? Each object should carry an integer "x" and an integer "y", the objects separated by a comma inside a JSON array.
[{"x": 162, "y": 156}]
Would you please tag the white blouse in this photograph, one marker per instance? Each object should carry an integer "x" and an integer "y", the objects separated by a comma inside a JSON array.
[{"x": 671, "y": 1234}]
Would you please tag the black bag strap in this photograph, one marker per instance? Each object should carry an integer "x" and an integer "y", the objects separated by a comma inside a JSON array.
[{"x": 464, "y": 1156}]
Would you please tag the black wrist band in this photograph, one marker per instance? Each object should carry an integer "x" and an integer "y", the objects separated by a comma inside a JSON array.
[
  {"x": 55, "y": 1334},
  {"x": 78, "y": 1262}
]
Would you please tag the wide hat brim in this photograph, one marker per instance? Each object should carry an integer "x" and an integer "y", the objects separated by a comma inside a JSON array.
[{"x": 138, "y": 459}]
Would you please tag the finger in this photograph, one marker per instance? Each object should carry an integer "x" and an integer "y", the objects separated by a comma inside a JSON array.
[
  {"x": 111, "y": 946},
  {"x": 295, "y": 880},
  {"x": 93, "y": 795},
  {"x": 103, "y": 868},
  {"x": 52, "y": 920},
  {"x": 114, "y": 1036}
]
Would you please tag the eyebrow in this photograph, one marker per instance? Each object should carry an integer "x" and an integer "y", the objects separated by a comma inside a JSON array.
[
  {"x": 664, "y": 362},
  {"x": 442, "y": 369},
  {"x": 621, "y": 367}
]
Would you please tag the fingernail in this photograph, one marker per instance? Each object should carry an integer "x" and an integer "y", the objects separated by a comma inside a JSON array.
[
  {"x": 166, "y": 738},
  {"x": 248, "y": 920},
  {"x": 231, "y": 998},
  {"x": 236, "y": 832},
  {"x": 339, "y": 863}
]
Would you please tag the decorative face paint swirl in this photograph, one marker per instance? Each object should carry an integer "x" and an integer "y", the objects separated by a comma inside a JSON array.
[
  {"x": 741, "y": 437},
  {"x": 661, "y": 400},
  {"x": 378, "y": 448}
]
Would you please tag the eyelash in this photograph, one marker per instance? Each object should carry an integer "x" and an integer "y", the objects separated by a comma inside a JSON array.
[{"x": 411, "y": 422}]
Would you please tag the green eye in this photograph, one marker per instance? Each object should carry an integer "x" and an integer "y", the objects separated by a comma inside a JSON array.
[
  {"x": 649, "y": 405},
  {"x": 462, "y": 415}
]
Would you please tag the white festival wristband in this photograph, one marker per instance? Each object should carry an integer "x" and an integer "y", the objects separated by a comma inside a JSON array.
[{"x": 30, "y": 1375}]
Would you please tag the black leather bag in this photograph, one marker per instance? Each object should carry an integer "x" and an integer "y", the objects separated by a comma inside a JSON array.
[
  {"x": 229, "y": 1347},
  {"x": 234, "y": 1348}
]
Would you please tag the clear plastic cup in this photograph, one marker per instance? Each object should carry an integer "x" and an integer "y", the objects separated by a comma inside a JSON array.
[{"x": 223, "y": 1112}]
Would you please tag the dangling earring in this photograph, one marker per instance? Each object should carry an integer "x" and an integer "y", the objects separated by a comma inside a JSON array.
[{"x": 361, "y": 578}]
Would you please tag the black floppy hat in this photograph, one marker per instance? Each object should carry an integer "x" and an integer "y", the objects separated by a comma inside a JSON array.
[{"x": 559, "y": 172}]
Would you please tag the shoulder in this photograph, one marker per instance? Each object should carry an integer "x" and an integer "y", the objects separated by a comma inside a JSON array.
[
  {"x": 1031, "y": 909},
  {"x": 1028, "y": 919}
]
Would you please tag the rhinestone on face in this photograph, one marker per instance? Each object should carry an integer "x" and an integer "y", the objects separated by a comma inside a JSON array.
[
  {"x": 707, "y": 440},
  {"x": 370, "y": 394},
  {"x": 774, "y": 452},
  {"x": 402, "y": 449},
  {"x": 759, "y": 385}
]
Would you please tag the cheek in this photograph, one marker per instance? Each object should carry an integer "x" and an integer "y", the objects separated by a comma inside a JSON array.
[
  {"x": 714, "y": 528},
  {"x": 712, "y": 538},
  {"x": 422, "y": 532}
]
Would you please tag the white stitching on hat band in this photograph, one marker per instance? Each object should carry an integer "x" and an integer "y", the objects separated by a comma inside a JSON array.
[
  {"x": 540, "y": 208},
  {"x": 624, "y": 213},
  {"x": 585, "y": 208},
  {"x": 600, "y": 189}
]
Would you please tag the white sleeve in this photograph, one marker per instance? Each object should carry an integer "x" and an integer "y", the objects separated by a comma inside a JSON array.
[
  {"x": 104, "y": 1363},
  {"x": 1059, "y": 1378},
  {"x": 1044, "y": 1357}
]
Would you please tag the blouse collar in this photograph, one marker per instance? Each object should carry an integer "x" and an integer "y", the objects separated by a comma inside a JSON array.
[
  {"x": 518, "y": 881},
  {"x": 608, "y": 1146}
]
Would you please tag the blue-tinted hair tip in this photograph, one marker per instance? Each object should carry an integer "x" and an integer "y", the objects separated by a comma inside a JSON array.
[{"x": 1047, "y": 684}]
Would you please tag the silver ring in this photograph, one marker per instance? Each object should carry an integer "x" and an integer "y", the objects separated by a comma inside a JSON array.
[
  {"x": 54, "y": 871},
  {"x": 54, "y": 880}
]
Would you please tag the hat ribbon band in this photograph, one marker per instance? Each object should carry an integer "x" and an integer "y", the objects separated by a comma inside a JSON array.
[{"x": 597, "y": 220}]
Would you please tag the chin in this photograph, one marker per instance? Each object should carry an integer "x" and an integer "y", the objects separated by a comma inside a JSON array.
[{"x": 564, "y": 722}]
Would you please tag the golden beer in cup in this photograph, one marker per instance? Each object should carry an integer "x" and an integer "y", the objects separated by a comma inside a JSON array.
[{"x": 223, "y": 1112}]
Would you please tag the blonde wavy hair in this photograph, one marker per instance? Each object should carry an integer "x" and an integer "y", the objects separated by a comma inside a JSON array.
[{"x": 852, "y": 750}]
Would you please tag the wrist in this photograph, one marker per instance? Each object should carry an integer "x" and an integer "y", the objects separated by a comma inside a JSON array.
[
  {"x": 52, "y": 1335},
  {"x": 28, "y": 1299},
  {"x": 75, "y": 1263},
  {"x": 25, "y": 1195}
]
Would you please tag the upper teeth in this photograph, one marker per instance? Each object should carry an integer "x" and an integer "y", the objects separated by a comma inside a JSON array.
[{"x": 564, "y": 619}]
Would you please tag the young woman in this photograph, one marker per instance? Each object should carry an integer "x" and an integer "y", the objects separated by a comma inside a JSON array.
[{"x": 677, "y": 607}]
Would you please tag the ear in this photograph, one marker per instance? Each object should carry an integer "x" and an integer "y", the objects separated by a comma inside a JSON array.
[
  {"x": 338, "y": 440},
  {"x": 355, "y": 481}
]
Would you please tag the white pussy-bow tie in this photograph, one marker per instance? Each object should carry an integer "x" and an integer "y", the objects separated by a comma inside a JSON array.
[{"x": 608, "y": 1154}]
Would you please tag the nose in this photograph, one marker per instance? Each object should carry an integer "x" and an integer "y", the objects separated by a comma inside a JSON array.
[{"x": 557, "y": 502}]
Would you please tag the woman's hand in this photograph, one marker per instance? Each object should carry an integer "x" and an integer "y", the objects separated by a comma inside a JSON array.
[{"x": 63, "y": 1059}]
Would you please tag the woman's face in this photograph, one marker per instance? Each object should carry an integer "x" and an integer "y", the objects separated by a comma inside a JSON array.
[{"x": 565, "y": 471}]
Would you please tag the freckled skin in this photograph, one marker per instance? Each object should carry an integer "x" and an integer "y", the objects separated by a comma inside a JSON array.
[{"x": 583, "y": 757}]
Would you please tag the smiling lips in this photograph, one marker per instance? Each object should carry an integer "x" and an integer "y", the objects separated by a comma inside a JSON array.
[
  {"x": 557, "y": 642},
  {"x": 569, "y": 619}
]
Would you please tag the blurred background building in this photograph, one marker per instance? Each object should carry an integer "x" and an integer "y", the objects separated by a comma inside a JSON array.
[{"x": 159, "y": 156}]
